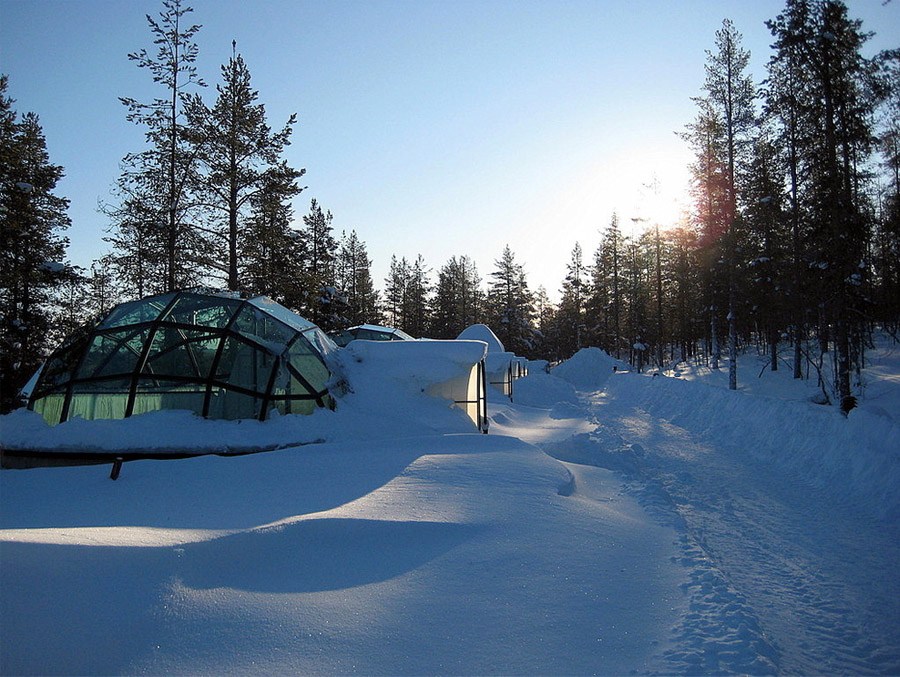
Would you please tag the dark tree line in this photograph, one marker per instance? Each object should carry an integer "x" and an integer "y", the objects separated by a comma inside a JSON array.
[
  {"x": 34, "y": 275},
  {"x": 791, "y": 247}
]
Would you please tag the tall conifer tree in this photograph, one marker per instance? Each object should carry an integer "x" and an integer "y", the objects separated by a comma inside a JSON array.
[
  {"x": 168, "y": 161},
  {"x": 32, "y": 247},
  {"x": 239, "y": 156}
]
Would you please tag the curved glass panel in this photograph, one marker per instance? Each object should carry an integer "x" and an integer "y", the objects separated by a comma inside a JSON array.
[
  {"x": 156, "y": 394},
  {"x": 202, "y": 311},
  {"x": 182, "y": 352},
  {"x": 61, "y": 366},
  {"x": 103, "y": 399},
  {"x": 308, "y": 364},
  {"x": 264, "y": 329},
  {"x": 281, "y": 313},
  {"x": 244, "y": 366},
  {"x": 113, "y": 353},
  {"x": 136, "y": 312}
]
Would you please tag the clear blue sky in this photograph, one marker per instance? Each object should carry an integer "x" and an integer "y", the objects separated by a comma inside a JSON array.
[{"x": 438, "y": 128}]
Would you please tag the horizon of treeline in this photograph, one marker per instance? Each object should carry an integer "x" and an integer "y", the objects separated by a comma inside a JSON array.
[{"x": 791, "y": 247}]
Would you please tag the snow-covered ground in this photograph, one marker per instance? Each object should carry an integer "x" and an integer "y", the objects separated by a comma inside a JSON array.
[{"x": 610, "y": 523}]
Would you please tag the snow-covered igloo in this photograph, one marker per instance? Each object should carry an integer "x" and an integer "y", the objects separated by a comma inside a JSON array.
[
  {"x": 218, "y": 354},
  {"x": 502, "y": 367}
]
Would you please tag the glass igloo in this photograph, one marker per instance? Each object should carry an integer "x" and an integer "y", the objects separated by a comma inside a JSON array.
[{"x": 214, "y": 353}]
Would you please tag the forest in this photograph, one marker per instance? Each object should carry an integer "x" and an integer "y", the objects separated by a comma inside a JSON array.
[{"x": 790, "y": 250}]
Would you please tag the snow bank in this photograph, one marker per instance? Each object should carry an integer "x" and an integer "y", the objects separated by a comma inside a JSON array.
[
  {"x": 588, "y": 369},
  {"x": 544, "y": 390},
  {"x": 855, "y": 458},
  {"x": 390, "y": 384},
  {"x": 161, "y": 431}
]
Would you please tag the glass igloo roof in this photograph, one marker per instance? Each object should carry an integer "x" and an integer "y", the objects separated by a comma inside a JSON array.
[{"x": 216, "y": 354}]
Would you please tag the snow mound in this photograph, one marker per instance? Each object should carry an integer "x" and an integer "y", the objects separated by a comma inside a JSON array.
[
  {"x": 391, "y": 384},
  {"x": 481, "y": 332},
  {"x": 544, "y": 391},
  {"x": 588, "y": 369},
  {"x": 856, "y": 458},
  {"x": 172, "y": 431}
]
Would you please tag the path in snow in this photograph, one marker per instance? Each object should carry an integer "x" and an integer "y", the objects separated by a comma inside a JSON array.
[{"x": 785, "y": 577}]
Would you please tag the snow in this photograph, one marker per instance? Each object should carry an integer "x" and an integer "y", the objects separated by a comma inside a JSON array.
[
  {"x": 481, "y": 332},
  {"x": 611, "y": 522}
]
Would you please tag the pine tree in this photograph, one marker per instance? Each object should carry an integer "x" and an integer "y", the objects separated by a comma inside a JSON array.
[
  {"x": 785, "y": 100},
  {"x": 272, "y": 252},
  {"x": 509, "y": 305},
  {"x": 636, "y": 268},
  {"x": 163, "y": 171},
  {"x": 837, "y": 111},
  {"x": 570, "y": 319},
  {"x": 458, "y": 298},
  {"x": 710, "y": 216},
  {"x": 320, "y": 297},
  {"x": 354, "y": 276},
  {"x": 546, "y": 346},
  {"x": 730, "y": 93},
  {"x": 606, "y": 298},
  {"x": 767, "y": 241},
  {"x": 395, "y": 291},
  {"x": 415, "y": 303},
  {"x": 239, "y": 157},
  {"x": 138, "y": 232},
  {"x": 887, "y": 238},
  {"x": 32, "y": 248},
  {"x": 688, "y": 311}
]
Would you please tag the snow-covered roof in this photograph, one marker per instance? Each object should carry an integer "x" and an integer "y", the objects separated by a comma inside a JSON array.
[{"x": 481, "y": 332}]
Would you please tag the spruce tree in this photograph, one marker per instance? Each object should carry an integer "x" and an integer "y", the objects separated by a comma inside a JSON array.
[
  {"x": 239, "y": 157},
  {"x": 710, "y": 214},
  {"x": 395, "y": 291},
  {"x": 837, "y": 111},
  {"x": 510, "y": 306},
  {"x": 570, "y": 319},
  {"x": 458, "y": 298},
  {"x": 271, "y": 250},
  {"x": 415, "y": 302},
  {"x": 606, "y": 295},
  {"x": 32, "y": 248},
  {"x": 354, "y": 276},
  {"x": 319, "y": 296}
]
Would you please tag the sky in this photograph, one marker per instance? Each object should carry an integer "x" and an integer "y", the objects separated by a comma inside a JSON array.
[{"x": 433, "y": 128}]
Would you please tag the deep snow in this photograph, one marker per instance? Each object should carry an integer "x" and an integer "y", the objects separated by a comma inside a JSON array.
[{"x": 610, "y": 523}]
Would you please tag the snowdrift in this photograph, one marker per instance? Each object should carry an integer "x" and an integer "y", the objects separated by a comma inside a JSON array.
[
  {"x": 856, "y": 457},
  {"x": 588, "y": 369}
]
